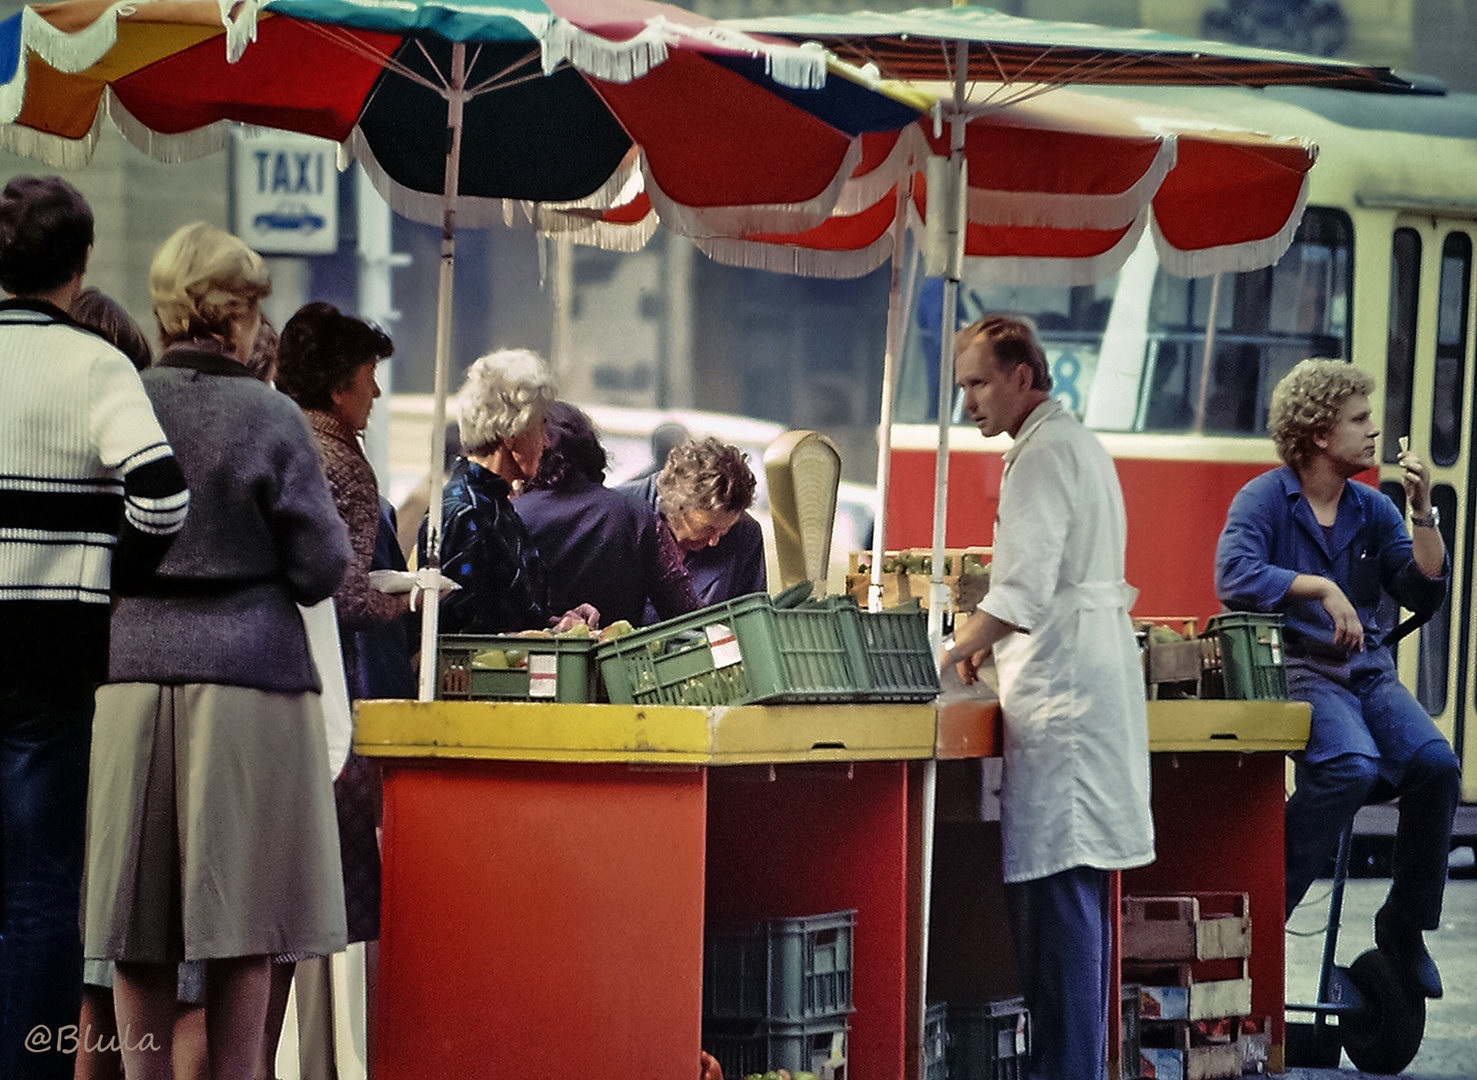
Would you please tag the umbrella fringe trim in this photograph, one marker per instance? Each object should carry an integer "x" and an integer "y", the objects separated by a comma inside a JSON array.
[
  {"x": 186, "y": 146},
  {"x": 53, "y": 150},
  {"x": 860, "y": 193},
  {"x": 605, "y": 235},
  {"x": 791, "y": 259},
  {"x": 70, "y": 53},
  {"x": 1232, "y": 258},
  {"x": 1007, "y": 270},
  {"x": 1073, "y": 211},
  {"x": 613, "y": 61},
  {"x": 694, "y": 221}
]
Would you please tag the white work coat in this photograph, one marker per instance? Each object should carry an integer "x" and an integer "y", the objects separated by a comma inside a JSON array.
[{"x": 1076, "y": 775}]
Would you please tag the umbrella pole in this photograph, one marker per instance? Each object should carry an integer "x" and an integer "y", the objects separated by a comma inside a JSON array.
[
  {"x": 1207, "y": 353},
  {"x": 953, "y": 271},
  {"x": 890, "y": 355},
  {"x": 937, "y": 595},
  {"x": 431, "y": 569}
]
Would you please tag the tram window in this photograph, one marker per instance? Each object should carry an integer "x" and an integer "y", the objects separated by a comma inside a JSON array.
[
  {"x": 1432, "y": 664},
  {"x": 1405, "y": 272},
  {"x": 1070, "y": 320},
  {"x": 1453, "y": 294},
  {"x": 1265, "y": 322}
]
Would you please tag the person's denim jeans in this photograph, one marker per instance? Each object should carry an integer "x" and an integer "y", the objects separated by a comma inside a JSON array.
[
  {"x": 1328, "y": 795},
  {"x": 45, "y": 739}
]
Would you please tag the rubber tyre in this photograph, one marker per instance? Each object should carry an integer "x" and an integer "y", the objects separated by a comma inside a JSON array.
[{"x": 1384, "y": 1036}]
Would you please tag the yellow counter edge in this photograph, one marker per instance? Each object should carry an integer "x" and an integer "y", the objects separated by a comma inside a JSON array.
[{"x": 664, "y": 734}]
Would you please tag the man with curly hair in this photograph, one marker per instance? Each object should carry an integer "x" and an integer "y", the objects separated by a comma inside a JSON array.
[{"x": 1306, "y": 541}]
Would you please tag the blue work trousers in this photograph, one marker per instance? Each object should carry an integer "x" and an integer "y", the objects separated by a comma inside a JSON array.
[
  {"x": 1063, "y": 940},
  {"x": 1370, "y": 740},
  {"x": 45, "y": 739}
]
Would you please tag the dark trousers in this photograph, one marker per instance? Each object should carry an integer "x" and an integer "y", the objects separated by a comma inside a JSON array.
[
  {"x": 1062, "y": 941},
  {"x": 1330, "y": 792},
  {"x": 45, "y": 739}
]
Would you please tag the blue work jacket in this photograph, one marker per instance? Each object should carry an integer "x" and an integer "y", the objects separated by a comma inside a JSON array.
[{"x": 1271, "y": 536}]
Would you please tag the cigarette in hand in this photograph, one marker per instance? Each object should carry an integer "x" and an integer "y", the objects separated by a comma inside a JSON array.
[{"x": 1405, "y": 444}]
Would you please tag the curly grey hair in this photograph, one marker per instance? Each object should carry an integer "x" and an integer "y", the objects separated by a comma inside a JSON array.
[
  {"x": 505, "y": 391},
  {"x": 1306, "y": 403},
  {"x": 705, "y": 474}
]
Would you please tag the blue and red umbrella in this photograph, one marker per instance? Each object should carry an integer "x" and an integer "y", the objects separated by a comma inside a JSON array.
[
  {"x": 461, "y": 111},
  {"x": 741, "y": 120}
]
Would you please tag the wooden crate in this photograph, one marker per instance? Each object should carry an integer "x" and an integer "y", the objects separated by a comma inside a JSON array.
[
  {"x": 1203, "y": 990},
  {"x": 1199, "y": 926},
  {"x": 965, "y": 590},
  {"x": 1183, "y": 1050}
]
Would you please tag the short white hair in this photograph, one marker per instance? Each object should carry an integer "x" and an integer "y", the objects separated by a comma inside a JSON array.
[{"x": 504, "y": 392}]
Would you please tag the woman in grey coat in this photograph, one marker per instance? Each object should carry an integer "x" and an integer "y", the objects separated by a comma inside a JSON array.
[{"x": 212, "y": 833}]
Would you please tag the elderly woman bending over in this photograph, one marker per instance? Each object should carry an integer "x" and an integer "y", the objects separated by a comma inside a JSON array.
[
  {"x": 211, "y": 832},
  {"x": 485, "y": 547},
  {"x": 703, "y": 493}
]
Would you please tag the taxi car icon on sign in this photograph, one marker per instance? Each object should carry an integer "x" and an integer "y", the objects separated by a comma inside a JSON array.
[{"x": 294, "y": 217}]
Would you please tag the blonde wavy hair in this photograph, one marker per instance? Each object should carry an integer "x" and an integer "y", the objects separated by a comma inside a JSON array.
[
  {"x": 504, "y": 392},
  {"x": 705, "y": 474},
  {"x": 1306, "y": 404},
  {"x": 202, "y": 280}
]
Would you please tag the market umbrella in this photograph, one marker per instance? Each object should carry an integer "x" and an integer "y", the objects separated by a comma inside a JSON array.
[
  {"x": 461, "y": 111},
  {"x": 918, "y": 44},
  {"x": 990, "y": 58},
  {"x": 1059, "y": 189}
]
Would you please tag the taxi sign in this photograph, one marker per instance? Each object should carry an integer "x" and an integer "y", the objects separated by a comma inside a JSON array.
[{"x": 286, "y": 188}]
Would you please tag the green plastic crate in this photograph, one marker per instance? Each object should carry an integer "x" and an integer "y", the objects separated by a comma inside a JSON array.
[
  {"x": 787, "y": 970},
  {"x": 1246, "y": 660},
  {"x": 935, "y": 1042},
  {"x": 991, "y": 1041},
  {"x": 745, "y": 1048},
  {"x": 895, "y": 653},
  {"x": 741, "y": 651},
  {"x": 558, "y": 669}
]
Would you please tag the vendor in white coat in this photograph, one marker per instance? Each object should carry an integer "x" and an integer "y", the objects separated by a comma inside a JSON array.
[{"x": 1075, "y": 796}]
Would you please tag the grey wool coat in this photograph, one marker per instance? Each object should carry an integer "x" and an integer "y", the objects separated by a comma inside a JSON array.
[{"x": 263, "y": 535}]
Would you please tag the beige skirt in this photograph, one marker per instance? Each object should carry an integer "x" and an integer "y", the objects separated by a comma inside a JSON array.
[{"x": 211, "y": 826}]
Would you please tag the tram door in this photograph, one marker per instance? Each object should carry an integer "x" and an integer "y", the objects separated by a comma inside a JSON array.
[{"x": 1428, "y": 389}]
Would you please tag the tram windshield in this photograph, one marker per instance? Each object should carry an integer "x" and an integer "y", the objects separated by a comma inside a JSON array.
[{"x": 1129, "y": 353}]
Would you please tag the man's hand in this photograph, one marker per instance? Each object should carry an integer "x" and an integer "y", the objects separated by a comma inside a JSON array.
[
  {"x": 966, "y": 664},
  {"x": 1417, "y": 480},
  {"x": 1348, "y": 631}
]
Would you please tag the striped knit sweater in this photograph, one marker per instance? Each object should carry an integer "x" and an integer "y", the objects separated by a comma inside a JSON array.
[{"x": 90, "y": 493}]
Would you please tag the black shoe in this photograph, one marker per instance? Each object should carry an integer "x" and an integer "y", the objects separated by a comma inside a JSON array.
[{"x": 1405, "y": 945}]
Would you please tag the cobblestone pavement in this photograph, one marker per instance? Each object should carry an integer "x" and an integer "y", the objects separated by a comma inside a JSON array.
[{"x": 1449, "y": 1049}]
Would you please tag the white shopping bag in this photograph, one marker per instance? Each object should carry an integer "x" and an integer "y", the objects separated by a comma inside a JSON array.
[{"x": 321, "y": 623}]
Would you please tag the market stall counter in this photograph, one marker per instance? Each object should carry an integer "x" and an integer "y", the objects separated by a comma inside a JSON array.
[
  {"x": 1218, "y": 780},
  {"x": 549, "y": 869}
]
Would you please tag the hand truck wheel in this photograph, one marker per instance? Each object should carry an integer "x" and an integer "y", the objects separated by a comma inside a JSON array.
[{"x": 1384, "y": 1035}]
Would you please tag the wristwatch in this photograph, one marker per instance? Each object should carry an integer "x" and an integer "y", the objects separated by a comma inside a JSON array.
[{"x": 1430, "y": 521}]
